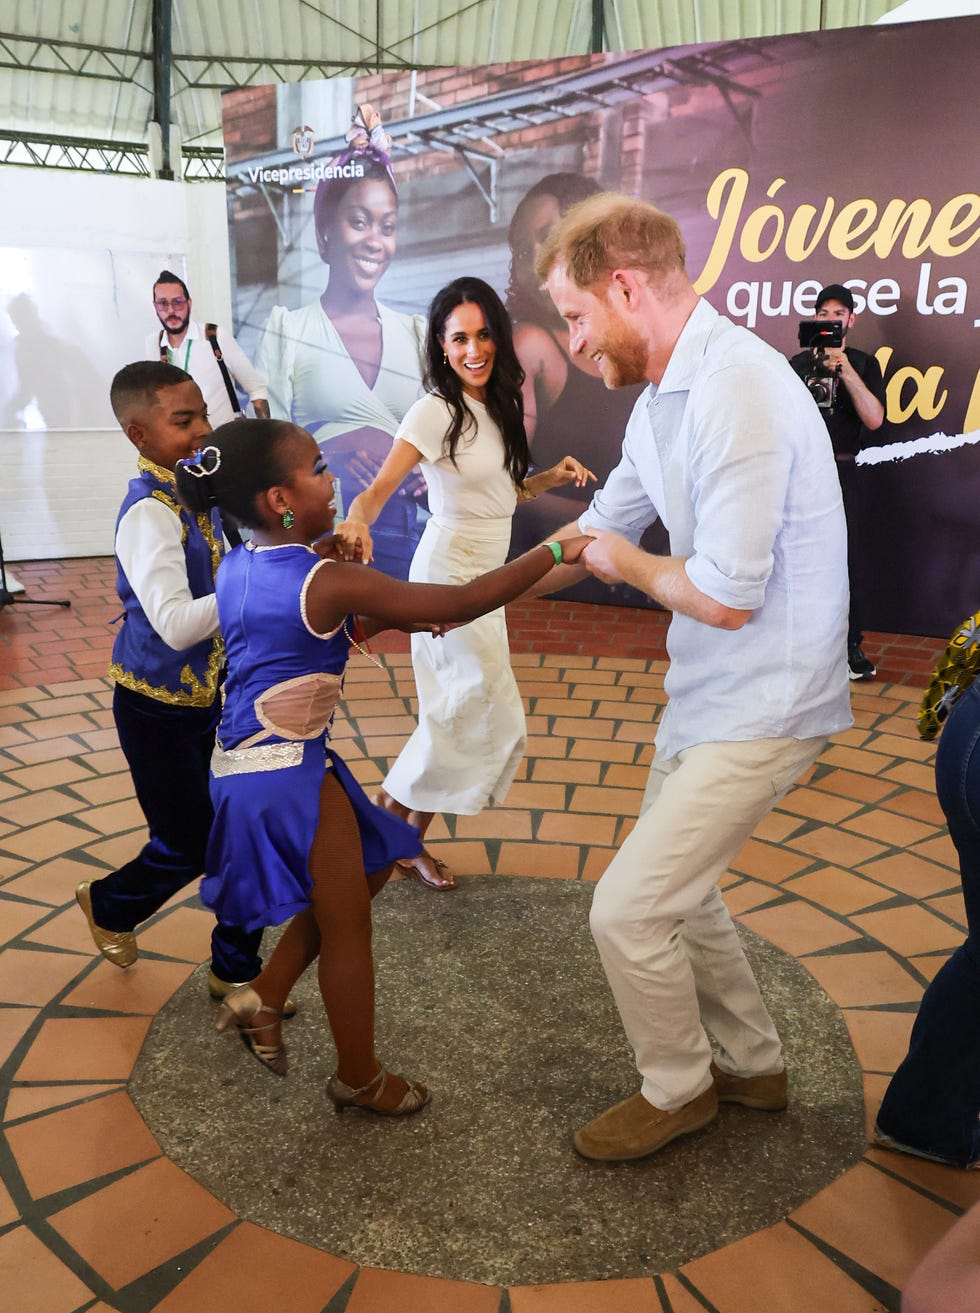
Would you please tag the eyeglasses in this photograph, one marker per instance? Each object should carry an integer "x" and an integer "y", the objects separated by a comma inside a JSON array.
[{"x": 177, "y": 303}]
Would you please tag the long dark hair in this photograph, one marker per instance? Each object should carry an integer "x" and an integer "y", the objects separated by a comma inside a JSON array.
[
  {"x": 567, "y": 189},
  {"x": 504, "y": 402},
  {"x": 237, "y": 461}
]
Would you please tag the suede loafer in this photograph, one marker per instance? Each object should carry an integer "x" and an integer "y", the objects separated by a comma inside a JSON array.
[
  {"x": 767, "y": 1093},
  {"x": 634, "y": 1128}
]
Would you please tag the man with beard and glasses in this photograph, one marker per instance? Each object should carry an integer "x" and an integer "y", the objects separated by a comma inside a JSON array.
[
  {"x": 200, "y": 352},
  {"x": 726, "y": 447}
]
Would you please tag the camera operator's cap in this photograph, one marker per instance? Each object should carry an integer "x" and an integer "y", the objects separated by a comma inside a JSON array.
[{"x": 836, "y": 292}]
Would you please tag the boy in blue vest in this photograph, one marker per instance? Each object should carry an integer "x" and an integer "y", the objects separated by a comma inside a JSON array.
[{"x": 166, "y": 661}]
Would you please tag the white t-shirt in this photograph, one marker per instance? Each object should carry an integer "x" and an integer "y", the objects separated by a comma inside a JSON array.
[{"x": 477, "y": 486}]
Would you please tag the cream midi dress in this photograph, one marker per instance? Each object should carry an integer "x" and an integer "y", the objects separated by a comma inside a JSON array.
[{"x": 471, "y": 733}]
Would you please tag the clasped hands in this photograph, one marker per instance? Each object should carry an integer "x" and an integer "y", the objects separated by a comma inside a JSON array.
[
  {"x": 351, "y": 542},
  {"x": 607, "y": 555}
]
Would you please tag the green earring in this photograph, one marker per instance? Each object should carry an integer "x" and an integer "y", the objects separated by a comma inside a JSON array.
[{"x": 287, "y": 518}]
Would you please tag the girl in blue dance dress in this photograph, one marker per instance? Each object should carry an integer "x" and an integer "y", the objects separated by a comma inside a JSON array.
[{"x": 294, "y": 835}]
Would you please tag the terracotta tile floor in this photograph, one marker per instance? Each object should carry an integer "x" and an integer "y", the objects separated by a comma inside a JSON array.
[{"x": 853, "y": 874}]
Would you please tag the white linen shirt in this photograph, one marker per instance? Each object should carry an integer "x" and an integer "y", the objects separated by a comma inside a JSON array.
[
  {"x": 196, "y": 357},
  {"x": 732, "y": 455}
]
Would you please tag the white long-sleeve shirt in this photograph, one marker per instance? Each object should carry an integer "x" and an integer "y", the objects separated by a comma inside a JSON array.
[{"x": 195, "y": 357}]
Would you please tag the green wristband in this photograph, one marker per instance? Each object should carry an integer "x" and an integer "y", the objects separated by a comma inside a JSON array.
[{"x": 556, "y": 552}]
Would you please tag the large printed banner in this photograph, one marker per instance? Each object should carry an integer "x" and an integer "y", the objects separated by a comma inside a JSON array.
[{"x": 789, "y": 163}]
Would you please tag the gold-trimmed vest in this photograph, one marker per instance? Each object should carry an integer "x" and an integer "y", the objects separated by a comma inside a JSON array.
[{"x": 141, "y": 660}]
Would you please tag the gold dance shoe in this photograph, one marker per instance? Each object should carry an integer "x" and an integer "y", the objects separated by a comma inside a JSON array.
[
  {"x": 239, "y": 1009},
  {"x": 116, "y": 946},
  {"x": 220, "y": 989},
  {"x": 414, "y": 1099}
]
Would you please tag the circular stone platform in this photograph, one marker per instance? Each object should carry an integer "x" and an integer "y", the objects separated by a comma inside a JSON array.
[{"x": 494, "y": 994}]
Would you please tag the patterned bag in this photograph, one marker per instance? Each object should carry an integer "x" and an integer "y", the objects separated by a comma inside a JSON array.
[{"x": 957, "y": 669}]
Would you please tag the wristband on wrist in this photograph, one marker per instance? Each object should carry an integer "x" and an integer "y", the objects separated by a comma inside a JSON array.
[{"x": 555, "y": 549}]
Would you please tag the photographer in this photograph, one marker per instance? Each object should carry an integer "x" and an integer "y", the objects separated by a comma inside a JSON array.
[{"x": 848, "y": 387}]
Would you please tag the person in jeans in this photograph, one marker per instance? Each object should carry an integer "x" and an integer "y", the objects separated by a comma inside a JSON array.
[{"x": 932, "y": 1106}]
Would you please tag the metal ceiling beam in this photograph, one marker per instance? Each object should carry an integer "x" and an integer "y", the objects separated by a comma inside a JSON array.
[
  {"x": 87, "y": 155},
  {"x": 162, "y": 29},
  {"x": 90, "y": 155},
  {"x": 215, "y": 72},
  {"x": 598, "y": 19},
  {"x": 71, "y": 58}
]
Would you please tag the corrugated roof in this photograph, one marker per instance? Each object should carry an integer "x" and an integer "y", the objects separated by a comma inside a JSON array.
[{"x": 77, "y": 70}]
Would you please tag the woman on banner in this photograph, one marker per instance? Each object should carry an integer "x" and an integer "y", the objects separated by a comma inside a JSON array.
[
  {"x": 565, "y": 400},
  {"x": 347, "y": 367},
  {"x": 468, "y": 433}
]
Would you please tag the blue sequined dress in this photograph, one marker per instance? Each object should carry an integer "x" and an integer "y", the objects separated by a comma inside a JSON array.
[{"x": 284, "y": 682}]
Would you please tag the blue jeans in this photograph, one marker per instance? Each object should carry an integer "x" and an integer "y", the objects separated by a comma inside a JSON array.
[
  {"x": 168, "y": 750},
  {"x": 933, "y": 1101}
]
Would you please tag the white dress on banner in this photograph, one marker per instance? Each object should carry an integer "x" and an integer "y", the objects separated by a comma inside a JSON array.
[
  {"x": 471, "y": 733},
  {"x": 314, "y": 382}
]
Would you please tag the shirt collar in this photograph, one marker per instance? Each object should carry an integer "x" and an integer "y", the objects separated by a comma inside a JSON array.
[
  {"x": 194, "y": 330},
  {"x": 689, "y": 349}
]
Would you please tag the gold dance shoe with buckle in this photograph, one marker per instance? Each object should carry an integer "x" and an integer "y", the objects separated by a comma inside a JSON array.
[
  {"x": 343, "y": 1096},
  {"x": 240, "y": 1010},
  {"x": 116, "y": 946}
]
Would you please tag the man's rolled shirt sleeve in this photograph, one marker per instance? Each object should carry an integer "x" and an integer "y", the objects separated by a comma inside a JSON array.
[{"x": 740, "y": 472}]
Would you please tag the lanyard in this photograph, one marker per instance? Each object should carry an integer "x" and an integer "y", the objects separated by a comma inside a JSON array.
[{"x": 187, "y": 356}]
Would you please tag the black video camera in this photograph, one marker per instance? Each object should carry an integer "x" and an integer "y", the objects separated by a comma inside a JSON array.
[{"x": 815, "y": 336}]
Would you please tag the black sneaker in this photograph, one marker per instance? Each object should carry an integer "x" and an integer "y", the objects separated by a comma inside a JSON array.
[{"x": 858, "y": 665}]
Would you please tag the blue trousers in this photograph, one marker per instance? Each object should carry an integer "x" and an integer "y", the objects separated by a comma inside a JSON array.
[
  {"x": 168, "y": 750},
  {"x": 933, "y": 1101}
]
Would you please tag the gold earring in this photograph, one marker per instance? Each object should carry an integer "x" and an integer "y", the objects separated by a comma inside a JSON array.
[{"x": 445, "y": 358}]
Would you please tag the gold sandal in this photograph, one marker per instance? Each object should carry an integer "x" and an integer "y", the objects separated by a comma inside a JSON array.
[
  {"x": 343, "y": 1096},
  {"x": 243, "y": 1006}
]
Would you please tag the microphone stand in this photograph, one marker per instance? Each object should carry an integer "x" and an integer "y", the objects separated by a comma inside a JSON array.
[{"x": 7, "y": 598}]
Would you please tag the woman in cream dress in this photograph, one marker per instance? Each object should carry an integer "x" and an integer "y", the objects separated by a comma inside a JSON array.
[{"x": 468, "y": 435}]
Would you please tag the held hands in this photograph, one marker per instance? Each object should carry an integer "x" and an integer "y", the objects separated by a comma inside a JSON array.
[
  {"x": 572, "y": 549},
  {"x": 353, "y": 540},
  {"x": 333, "y": 547},
  {"x": 605, "y": 555}
]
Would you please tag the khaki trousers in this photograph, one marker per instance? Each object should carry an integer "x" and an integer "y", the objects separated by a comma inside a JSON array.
[{"x": 667, "y": 942}]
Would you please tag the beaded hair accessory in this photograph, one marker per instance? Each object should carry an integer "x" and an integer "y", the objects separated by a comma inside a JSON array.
[{"x": 203, "y": 463}]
